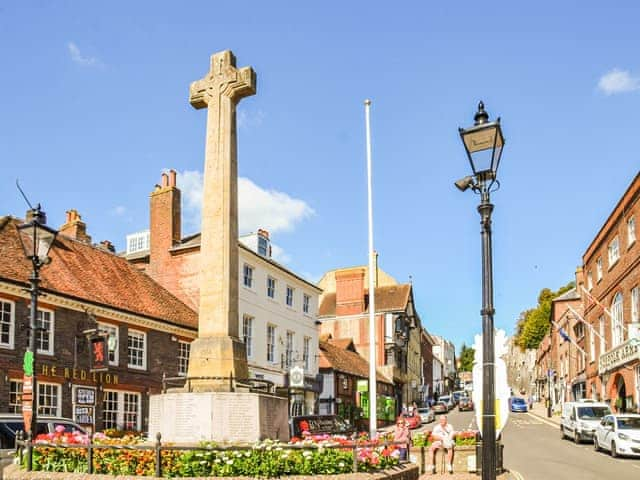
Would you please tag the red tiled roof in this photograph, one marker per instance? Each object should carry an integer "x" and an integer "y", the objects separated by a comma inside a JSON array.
[
  {"x": 390, "y": 298},
  {"x": 342, "y": 359},
  {"x": 89, "y": 273}
]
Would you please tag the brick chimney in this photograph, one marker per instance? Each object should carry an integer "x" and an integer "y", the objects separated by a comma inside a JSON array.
[
  {"x": 165, "y": 219},
  {"x": 350, "y": 291},
  {"x": 107, "y": 245},
  {"x": 579, "y": 280},
  {"x": 74, "y": 227}
]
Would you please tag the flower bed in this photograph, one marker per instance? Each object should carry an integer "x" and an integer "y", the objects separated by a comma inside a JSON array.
[{"x": 313, "y": 455}]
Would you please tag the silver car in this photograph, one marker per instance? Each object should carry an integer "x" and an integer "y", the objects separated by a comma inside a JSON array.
[{"x": 426, "y": 415}]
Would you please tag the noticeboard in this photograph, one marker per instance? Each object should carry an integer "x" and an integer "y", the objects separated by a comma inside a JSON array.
[{"x": 85, "y": 396}]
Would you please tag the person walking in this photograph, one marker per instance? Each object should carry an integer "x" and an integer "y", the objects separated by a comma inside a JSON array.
[{"x": 401, "y": 434}]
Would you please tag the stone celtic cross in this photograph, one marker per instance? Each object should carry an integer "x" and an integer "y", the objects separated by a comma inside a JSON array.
[{"x": 218, "y": 350}]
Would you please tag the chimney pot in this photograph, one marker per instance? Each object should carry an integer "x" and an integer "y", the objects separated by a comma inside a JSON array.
[
  {"x": 172, "y": 178},
  {"x": 165, "y": 180}
]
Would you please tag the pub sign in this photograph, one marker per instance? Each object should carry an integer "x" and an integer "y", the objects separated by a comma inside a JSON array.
[{"x": 99, "y": 361}]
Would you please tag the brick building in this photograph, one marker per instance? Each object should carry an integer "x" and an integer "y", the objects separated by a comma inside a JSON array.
[
  {"x": 88, "y": 287},
  {"x": 426, "y": 349},
  {"x": 611, "y": 297},
  {"x": 344, "y": 314},
  {"x": 277, "y": 308}
]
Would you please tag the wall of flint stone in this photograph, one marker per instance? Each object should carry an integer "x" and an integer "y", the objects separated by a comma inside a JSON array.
[{"x": 405, "y": 472}]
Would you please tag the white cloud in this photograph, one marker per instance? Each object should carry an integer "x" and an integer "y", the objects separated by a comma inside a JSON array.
[
  {"x": 618, "y": 81},
  {"x": 279, "y": 255},
  {"x": 257, "y": 207},
  {"x": 251, "y": 119},
  {"x": 80, "y": 59},
  {"x": 118, "y": 210}
]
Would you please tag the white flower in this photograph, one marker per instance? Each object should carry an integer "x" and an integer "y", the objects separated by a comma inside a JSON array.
[
  {"x": 229, "y": 462},
  {"x": 341, "y": 464},
  {"x": 306, "y": 453}
]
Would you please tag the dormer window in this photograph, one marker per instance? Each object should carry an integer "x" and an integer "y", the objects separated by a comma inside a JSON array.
[{"x": 138, "y": 242}]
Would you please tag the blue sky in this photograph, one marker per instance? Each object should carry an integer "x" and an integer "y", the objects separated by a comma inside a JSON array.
[{"x": 94, "y": 105}]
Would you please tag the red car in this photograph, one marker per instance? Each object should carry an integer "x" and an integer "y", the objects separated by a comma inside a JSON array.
[{"x": 413, "y": 421}]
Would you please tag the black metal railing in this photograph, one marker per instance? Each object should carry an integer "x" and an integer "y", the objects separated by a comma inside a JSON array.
[
  {"x": 254, "y": 385},
  {"x": 24, "y": 444}
]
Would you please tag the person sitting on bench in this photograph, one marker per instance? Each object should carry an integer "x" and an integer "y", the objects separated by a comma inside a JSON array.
[{"x": 443, "y": 437}]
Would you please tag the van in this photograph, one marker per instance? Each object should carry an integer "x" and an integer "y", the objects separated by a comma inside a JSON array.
[{"x": 579, "y": 419}]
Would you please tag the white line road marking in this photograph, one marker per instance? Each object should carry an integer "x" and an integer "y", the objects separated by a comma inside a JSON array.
[
  {"x": 551, "y": 424},
  {"x": 635, "y": 466}
]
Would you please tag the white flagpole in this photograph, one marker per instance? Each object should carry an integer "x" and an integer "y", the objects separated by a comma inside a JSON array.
[
  {"x": 606, "y": 310},
  {"x": 569, "y": 337},
  {"x": 373, "y": 420},
  {"x": 587, "y": 324}
]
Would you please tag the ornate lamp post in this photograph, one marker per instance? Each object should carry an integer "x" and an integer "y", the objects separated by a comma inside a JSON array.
[
  {"x": 36, "y": 240},
  {"x": 483, "y": 143}
]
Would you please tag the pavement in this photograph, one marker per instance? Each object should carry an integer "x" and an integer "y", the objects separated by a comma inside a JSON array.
[{"x": 540, "y": 411}]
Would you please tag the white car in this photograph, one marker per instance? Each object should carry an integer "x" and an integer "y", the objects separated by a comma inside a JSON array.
[
  {"x": 426, "y": 415},
  {"x": 446, "y": 399},
  {"x": 620, "y": 434}
]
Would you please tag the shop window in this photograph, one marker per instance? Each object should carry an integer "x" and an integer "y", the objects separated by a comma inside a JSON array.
[{"x": 121, "y": 410}]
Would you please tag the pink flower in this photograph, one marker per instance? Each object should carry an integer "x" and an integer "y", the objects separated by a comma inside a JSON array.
[{"x": 60, "y": 428}]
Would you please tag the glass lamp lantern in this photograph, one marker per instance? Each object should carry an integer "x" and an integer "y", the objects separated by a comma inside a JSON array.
[
  {"x": 36, "y": 237},
  {"x": 483, "y": 143}
]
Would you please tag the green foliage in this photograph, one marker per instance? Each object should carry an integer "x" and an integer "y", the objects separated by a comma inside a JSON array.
[
  {"x": 466, "y": 358},
  {"x": 534, "y": 323}
]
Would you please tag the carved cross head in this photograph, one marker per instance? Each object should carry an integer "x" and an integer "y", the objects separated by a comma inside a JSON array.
[{"x": 223, "y": 79}]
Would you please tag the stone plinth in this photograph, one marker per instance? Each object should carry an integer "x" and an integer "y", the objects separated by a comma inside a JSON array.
[
  {"x": 224, "y": 356},
  {"x": 189, "y": 417}
]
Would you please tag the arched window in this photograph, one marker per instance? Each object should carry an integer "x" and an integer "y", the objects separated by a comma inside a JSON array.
[{"x": 617, "y": 321}]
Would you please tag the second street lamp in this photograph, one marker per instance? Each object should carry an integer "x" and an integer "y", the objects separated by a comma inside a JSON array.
[
  {"x": 483, "y": 143},
  {"x": 36, "y": 239}
]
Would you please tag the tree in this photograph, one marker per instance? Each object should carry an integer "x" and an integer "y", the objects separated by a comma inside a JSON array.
[
  {"x": 466, "y": 358},
  {"x": 534, "y": 324}
]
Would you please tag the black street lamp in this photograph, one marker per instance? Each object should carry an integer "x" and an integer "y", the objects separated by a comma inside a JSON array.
[
  {"x": 483, "y": 143},
  {"x": 37, "y": 240}
]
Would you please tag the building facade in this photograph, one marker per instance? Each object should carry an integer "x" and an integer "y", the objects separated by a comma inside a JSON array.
[
  {"x": 611, "y": 298},
  {"x": 277, "y": 308},
  {"x": 344, "y": 314},
  {"x": 445, "y": 351},
  {"x": 88, "y": 289}
]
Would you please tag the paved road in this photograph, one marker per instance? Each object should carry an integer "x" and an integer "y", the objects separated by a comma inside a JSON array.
[{"x": 534, "y": 449}]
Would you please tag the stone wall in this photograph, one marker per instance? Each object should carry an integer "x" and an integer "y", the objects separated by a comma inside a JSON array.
[{"x": 408, "y": 472}]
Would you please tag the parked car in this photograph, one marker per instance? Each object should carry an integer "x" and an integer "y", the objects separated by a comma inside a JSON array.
[
  {"x": 519, "y": 405},
  {"x": 620, "y": 434},
  {"x": 465, "y": 404},
  {"x": 11, "y": 424},
  {"x": 427, "y": 415},
  {"x": 447, "y": 400},
  {"x": 580, "y": 419},
  {"x": 413, "y": 420},
  {"x": 440, "y": 407}
]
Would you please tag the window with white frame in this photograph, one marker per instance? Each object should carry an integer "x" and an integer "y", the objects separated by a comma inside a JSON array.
[
  {"x": 271, "y": 343},
  {"x": 289, "y": 297},
  {"x": 305, "y": 353},
  {"x": 289, "y": 350},
  {"x": 247, "y": 333},
  {"x": 631, "y": 231},
  {"x": 247, "y": 276},
  {"x": 635, "y": 304},
  {"x": 306, "y": 299},
  {"x": 44, "y": 334},
  {"x": 15, "y": 396},
  {"x": 184, "y": 348},
  {"x": 271, "y": 287},
  {"x": 112, "y": 341},
  {"x": 592, "y": 346},
  {"x": 599, "y": 269},
  {"x": 138, "y": 242},
  {"x": 49, "y": 399},
  {"x": 589, "y": 281},
  {"x": 137, "y": 349},
  {"x": 602, "y": 333},
  {"x": 614, "y": 251},
  {"x": 121, "y": 410},
  {"x": 617, "y": 321},
  {"x": 7, "y": 324},
  {"x": 109, "y": 409}
]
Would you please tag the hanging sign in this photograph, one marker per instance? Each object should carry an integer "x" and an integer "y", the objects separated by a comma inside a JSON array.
[{"x": 99, "y": 361}]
